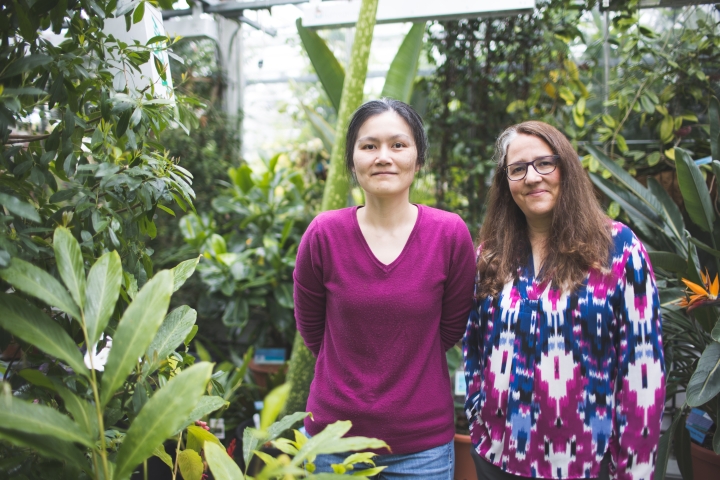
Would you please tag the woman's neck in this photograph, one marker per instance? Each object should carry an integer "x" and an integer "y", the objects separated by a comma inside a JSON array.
[
  {"x": 538, "y": 233},
  {"x": 387, "y": 213}
]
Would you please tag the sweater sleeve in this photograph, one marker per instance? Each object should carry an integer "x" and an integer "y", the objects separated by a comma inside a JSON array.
[
  {"x": 640, "y": 384},
  {"x": 309, "y": 290},
  {"x": 457, "y": 299}
]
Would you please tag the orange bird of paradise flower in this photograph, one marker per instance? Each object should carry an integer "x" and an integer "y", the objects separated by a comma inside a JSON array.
[{"x": 699, "y": 295}]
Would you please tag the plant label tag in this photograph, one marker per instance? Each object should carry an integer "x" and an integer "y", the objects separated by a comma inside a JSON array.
[
  {"x": 460, "y": 387},
  {"x": 217, "y": 427}
]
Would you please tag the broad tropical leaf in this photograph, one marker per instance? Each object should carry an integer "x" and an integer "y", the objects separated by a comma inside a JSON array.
[
  {"x": 49, "y": 447},
  {"x": 190, "y": 464},
  {"x": 33, "y": 326},
  {"x": 221, "y": 465},
  {"x": 35, "y": 281},
  {"x": 327, "y": 67},
  {"x": 198, "y": 436},
  {"x": 161, "y": 416},
  {"x": 183, "y": 271},
  {"x": 322, "y": 128},
  {"x": 70, "y": 264},
  {"x": 634, "y": 207},
  {"x": 714, "y": 118},
  {"x": 172, "y": 332},
  {"x": 694, "y": 191},
  {"x": 101, "y": 294},
  {"x": 673, "y": 217},
  {"x": 135, "y": 331},
  {"x": 705, "y": 382},
  {"x": 205, "y": 406},
  {"x": 671, "y": 262},
  {"x": 403, "y": 69},
  {"x": 33, "y": 418},
  {"x": 273, "y": 405}
]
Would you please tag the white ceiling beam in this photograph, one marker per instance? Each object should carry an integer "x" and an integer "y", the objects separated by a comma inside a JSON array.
[{"x": 344, "y": 13}]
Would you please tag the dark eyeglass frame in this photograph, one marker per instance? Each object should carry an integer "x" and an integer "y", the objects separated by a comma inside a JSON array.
[{"x": 556, "y": 158}]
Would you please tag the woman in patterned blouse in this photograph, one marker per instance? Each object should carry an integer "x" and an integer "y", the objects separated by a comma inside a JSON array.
[{"x": 563, "y": 351}]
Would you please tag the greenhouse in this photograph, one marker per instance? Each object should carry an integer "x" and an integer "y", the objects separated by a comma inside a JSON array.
[{"x": 280, "y": 239}]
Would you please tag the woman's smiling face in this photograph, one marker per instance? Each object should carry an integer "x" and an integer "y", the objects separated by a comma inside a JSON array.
[
  {"x": 385, "y": 155},
  {"x": 536, "y": 194}
]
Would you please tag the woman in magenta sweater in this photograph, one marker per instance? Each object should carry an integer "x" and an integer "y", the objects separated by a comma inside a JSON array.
[{"x": 382, "y": 290}]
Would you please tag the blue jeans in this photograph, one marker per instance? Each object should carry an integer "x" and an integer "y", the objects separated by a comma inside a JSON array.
[{"x": 433, "y": 464}]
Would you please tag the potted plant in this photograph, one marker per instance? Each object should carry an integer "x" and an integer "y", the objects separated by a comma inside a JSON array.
[{"x": 464, "y": 465}]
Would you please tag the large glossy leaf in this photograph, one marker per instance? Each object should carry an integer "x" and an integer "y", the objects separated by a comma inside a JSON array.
[
  {"x": 161, "y": 416},
  {"x": 273, "y": 405},
  {"x": 183, "y": 271},
  {"x": 49, "y": 447},
  {"x": 626, "y": 179},
  {"x": 221, "y": 465},
  {"x": 205, "y": 406},
  {"x": 190, "y": 464},
  {"x": 38, "y": 419},
  {"x": 637, "y": 210},
  {"x": 197, "y": 437},
  {"x": 35, "y": 281},
  {"x": 669, "y": 261},
  {"x": 322, "y": 128},
  {"x": 330, "y": 441},
  {"x": 135, "y": 331},
  {"x": 83, "y": 412},
  {"x": 403, "y": 69},
  {"x": 327, "y": 67},
  {"x": 33, "y": 326},
  {"x": 705, "y": 382},
  {"x": 664, "y": 447},
  {"x": 19, "y": 208},
  {"x": 673, "y": 217},
  {"x": 172, "y": 332},
  {"x": 694, "y": 191},
  {"x": 101, "y": 294},
  {"x": 70, "y": 263}
]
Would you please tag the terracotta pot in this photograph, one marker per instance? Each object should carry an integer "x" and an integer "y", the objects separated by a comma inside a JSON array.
[
  {"x": 261, "y": 373},
  {"x": 464, "y": 465},
  {"x": 705, "y": 462}
]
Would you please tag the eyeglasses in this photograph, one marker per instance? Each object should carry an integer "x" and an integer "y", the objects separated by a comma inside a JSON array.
[{"x": 542, "y": 165}]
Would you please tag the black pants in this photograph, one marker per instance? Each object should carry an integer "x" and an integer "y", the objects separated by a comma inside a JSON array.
[{"x": 488, "y": 471}]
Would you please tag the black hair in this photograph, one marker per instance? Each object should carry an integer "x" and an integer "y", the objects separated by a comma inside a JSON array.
[{"x": 376, "y": 107}]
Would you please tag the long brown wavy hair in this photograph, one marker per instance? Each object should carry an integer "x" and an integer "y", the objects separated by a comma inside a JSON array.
[{"x": 580, "y": 237}]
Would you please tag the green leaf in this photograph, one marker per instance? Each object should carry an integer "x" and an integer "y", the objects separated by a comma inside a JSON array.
[
  {"x": 681, "y": 448},
  {"x": 204, "y": 407},
  {"x": 327, "y": 67},
  {"x": 714, "y": 119},
  {"x": 330, "y": 441},
  {"x": 671, "y": 211},
  {"x": 82, "y": 412},
  {"x": 705, "y": 382},
  {"x": 403, "y": 69},
  {"x": 23, "y": 416},
  {"x": 25, "y": 64},
  {"x": 19, "y": 208},
  {"x": 715, "y": 334},
  {"x": 163, "y": 455},
  {"x": 126, "y": 7},
  {"x": 70, "y": 263},
  {"x": 197, "y": 436},
  {"x": 636, "y": 209},
  {"x": 273, "y": 404},
  {"x": 285, "y": 423},
  {"x": 49, "y": 447},
  {"x": 172, "y": 332},
  {"x": 33, "y": 326},
  {"x": 322, "y": 128},
  {"x": 135, "y": 331},
  {"x": 161, "y": 416},
  {"x": 183, "y": 271},
  {"x": 694, "y": 191},
  {"x": 138, "y": 13},
  {"x": 626, "y": 179},
  {"x": 666, "y": 129},
  {"x": 664, "y": 446},
  {"x": 221, "y": 465},
  {"x": 190, "y": 464},
  {"x": 101, "y": 294},
  {"x": 671, "y": 262},
  {"x": 34, "y": 281}
]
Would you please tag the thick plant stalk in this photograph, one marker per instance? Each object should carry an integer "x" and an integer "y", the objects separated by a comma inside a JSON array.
[{"x": 337, "y": 186}]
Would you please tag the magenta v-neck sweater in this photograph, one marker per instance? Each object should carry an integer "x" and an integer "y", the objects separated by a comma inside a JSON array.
[{"x": 380, "y": 332}]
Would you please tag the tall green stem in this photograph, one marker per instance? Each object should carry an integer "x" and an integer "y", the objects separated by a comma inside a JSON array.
[{"x": 98, "y": 408}]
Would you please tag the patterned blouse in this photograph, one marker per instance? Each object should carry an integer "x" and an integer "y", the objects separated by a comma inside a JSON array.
[{"x": 555, "y": 380}]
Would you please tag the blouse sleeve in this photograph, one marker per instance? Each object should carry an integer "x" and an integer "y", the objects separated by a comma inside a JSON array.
[
  {"x": 457, "y": 298},
  {"x": 309, "y": 291},
  {"x": 640, "y": 385}
]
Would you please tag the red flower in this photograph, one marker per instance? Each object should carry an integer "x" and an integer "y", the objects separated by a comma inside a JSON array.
[{"x": 231, "y": 448}]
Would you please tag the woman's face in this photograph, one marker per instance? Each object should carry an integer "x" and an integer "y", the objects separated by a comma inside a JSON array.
[
  {"x": 385, "y": 155},
  {"x": 536, "y": 194}
]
